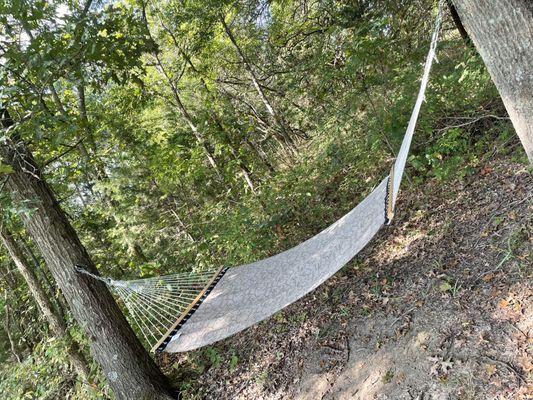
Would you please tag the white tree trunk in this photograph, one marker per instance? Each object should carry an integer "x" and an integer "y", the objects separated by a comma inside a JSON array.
[{"x": 502, "y": 31}]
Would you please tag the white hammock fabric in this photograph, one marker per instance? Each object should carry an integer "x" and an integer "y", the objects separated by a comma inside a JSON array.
[{"x": 186, "y": 311}]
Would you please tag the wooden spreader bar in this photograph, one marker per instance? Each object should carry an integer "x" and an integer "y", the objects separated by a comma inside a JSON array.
[{"x": 189, "y": 311}]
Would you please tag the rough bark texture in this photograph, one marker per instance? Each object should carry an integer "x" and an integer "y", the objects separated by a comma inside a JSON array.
[
  {"x": 57, "y": 325},
  {"x": 130, "y": 371},
  {"x": 502, "y": 31}
]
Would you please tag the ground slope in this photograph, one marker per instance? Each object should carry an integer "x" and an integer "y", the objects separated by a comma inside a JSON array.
[{"x": 438, "y": 306}]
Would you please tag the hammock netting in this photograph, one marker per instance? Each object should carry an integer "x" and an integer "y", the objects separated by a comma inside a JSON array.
[{"x": 185, "y": 311}]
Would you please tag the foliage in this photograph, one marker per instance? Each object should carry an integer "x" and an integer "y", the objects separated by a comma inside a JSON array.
[{"x": 44, "y": 374}]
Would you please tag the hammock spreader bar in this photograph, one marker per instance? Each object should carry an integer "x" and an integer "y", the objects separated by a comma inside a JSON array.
[
  {"x": 182, "y": 319},
  {"x": 214, "y": 305}
]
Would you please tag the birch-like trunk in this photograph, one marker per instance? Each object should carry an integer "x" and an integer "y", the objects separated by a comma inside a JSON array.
[
  {"x": 502, "y": 31},
  {"x": 285, "y": 135}
]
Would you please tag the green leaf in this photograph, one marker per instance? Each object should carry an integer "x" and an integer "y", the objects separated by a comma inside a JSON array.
[
  {"x": 5, "y": 169},
  {"x": 445, "y": 287}
]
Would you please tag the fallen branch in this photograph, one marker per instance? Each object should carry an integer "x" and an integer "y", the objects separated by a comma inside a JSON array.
[{"x": 471, "y": 121}]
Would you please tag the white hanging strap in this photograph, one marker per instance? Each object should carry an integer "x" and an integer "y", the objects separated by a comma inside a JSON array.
[{"x": 399, "y": 165}]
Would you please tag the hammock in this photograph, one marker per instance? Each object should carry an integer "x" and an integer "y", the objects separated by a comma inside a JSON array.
[{"x": 185, "y": 311}]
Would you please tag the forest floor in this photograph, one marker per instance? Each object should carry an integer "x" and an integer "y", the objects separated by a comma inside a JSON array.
[{"x": 438, "y": 306}]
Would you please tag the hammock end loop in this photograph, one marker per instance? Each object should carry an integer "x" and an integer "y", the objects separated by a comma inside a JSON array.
[
  {"x": 389, "y": 202},
  {"x": 82, "y": 270}
]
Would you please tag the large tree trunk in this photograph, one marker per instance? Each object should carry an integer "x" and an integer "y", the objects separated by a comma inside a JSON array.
[
  {"x": 57, "y": 325},
  {"x": 130, "y": 371},
  {"x": 502, "y": 31}
]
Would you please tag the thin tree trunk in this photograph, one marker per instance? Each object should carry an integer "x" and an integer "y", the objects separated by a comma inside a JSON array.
[
  {"x": 173, "y": 209},
  {"x": 12, "y": 283},
  {"x": 9, "y": 279},
  {"x": 502, "y": 31},
  {"x": 7, "y": 326},
  {"x": 50, "y": 286},
  {"x": 187, "y": 117},
  {"x": 82, "y": 108},
  {"x": 181, "y": 107},
  {"x": 244, "y": 168},
  {"x": 58, "y": 102},
  {"x": 263, "y": 125},
  {"x": 268, "y": 105},
  {"x": 234, "y": 152},
  {"x": 260, "y": 153},
  {"x": 130, "y": 371},
  {"x": 183, "y": 227},
  {"x": 81, "y": 105},
  {"x": 194, "y": 129},
  {"x": 458, "y": 23},
  {"x": 57, "y": 325}
]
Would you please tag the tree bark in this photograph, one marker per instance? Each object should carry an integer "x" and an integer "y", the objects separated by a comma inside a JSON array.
[
  {"x": 130, "y": 371},
  {"x": 502, "y": 31},
  {"x": 57, "y": 325}
]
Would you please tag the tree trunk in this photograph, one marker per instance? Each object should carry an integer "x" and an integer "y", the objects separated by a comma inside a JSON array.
[
  {"x": 130, "y": 371},
  {"x": 58, "y": 102},
  {"x": 57, "y": 325},
  {"x": 458, "y": 23},
  {"x": 99, "y": 169},
  {"x": 49, "y": 286},
  {"x": 502, "y": 31},
  {"x": 194, "y": 129},
  {"x": 234, "y": 153},
  {"x": 214, "y": 116},
  {"x": 7, "y": 326},
  {"x": 179, "y": 104},
  {"x": 277, "y": 118},
  {"x": 260, "y": 153}
]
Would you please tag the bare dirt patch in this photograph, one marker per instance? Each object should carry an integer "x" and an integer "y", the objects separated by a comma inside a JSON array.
[{"x": 437, "y": 307}]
